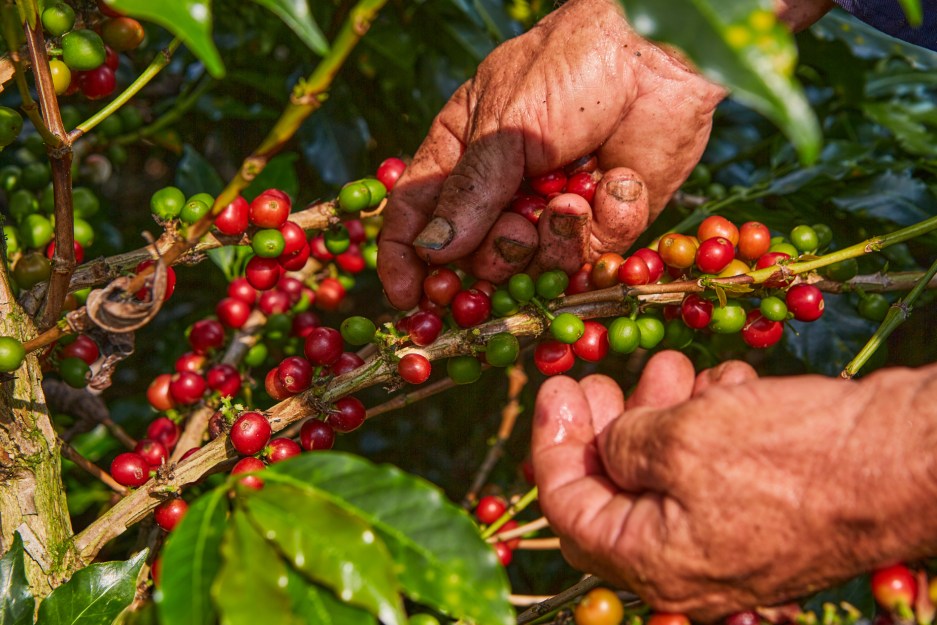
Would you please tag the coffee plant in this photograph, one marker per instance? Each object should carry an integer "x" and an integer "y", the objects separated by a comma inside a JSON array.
[{"x": 195, "y": 350}]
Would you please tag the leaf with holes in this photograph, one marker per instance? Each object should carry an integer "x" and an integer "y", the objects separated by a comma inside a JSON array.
[
  {"x": 740, "y": 44},
  {"x": 95, "y": 595},
  {"x": 442, "y": 560}
]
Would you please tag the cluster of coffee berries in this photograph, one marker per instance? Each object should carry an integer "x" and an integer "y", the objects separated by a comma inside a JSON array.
[
  {"x": 579, "y": 177},
  {"x": 89, "y": 55},
  {"x": 489, "y": 509}
]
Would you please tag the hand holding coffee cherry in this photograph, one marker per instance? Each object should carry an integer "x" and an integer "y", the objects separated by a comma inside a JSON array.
[
  {"x": 709, "y": 494},
  {"x": 582, "y": 82}
]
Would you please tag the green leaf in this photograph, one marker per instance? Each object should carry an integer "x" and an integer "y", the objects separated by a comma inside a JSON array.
[
  {"x": 16, "y": 599},
  {"x": 741, "y": 45},
  {"x": 280, "y": 173},
  {"x": 196, "y": 175},
  {"x": 191, "y": 561},
  {"x": 330, "y": 546},
  {"x": 231, "y": 259},
  {"x": 442, "y": 562},
  {"x": 95, "y": 595},
  {"x": 251, "y": 586},
  {"x": 826, "y": 345},
  {"x": 911, "y": 124},
  {"x": 318, "y": 605},
  {"x": 912, "y": 10},
  {"x": 295, "y": 14},
  {"x": 189, "y": 20}
]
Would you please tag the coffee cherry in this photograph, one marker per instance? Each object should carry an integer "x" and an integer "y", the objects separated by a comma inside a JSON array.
[
  {"x": 754, "y": 240},
  {"x": 805, "y": 239},
  {"x": 267, "y": 243},
  {"x": 144, "y": 293},
  {"x": 584, "y": 184},
  {"x": 295, "y": 374},
  {"x": 61, "y": 78},
  {"x": 549, "y": 183},
  {"x": 58, "y": 19},
  {"x": 82, "y": 49},
  {"x": 316, "y": 435},
  {"x": 521, "y": 287},
  {"x": 82, "y": 347},
  {"x": 281, "y": 449},
  {"x": 122, "y": 33},
  {"x": 504, "y": 552},
  {"x": 11, "y": 123},
  {"x": 186, "y": 388},
  {"x": 605, "y": 270},
  {"x": 249, "y": 465},
  {"x": 727, "y": 319},
  {"x": 165, "y": 431},
  {"x": 270, "y": 209},
  {"x": 130, "y": 469},
  {"x": 470, "y": 308},
  {"x": 760, "y": 332},
  {"x": 414, "y": 368},
  {"x": 651, "y": 330},
  {"x": 273, "y": 302},
  {"x": 389, "y": 171},
  {"x": 295, "y": 261},
  {"x": 567, "y": 328},
  {"x": 677, "y": 250},
  {"x": 233, "y": 312},
  {"x": 581, "y": 281},
  {"x": 74, "y": 371},
  {"x": 323, "y": 346},
  {"x": 490, "y": 509},
  {"x": 717, "y": 226},
  {"x": 12, "y": 354},
  {"x": 552, "y": 284},
  {"x": 358, "y": 330},
  {"x": 696, "y": 311},
  {"x": 773, "y": 308},
  {"x": 530, "y": 207},
  {"x": 714, "y": 255},
  {"x": 502, "y": 349},
  {"x": 805, "y": 302},
  {"x": 233, "y": 218},
  {"x": 600, "y": 606},
  {"x": 552, "y": 357},
  {"x": 190, "y": 361},
  {"x": 330, "y": 294},
  {"x": 593, "y": 345},
  {"x": 224, "y": 379},
  {"x": 441, "y": 285},
  {"x": 346, "y": 415},
  {"x": 894, "y": 588},
  {"x": 874, "y": 307},
  {"x": 785, "y": 248},
  {"x": 654, "y": 262},
  {"x": 634, "y": 271},
  {"x": 623, "y": 335},
  {"x": 206, "y": 336},
  {"x": 667, "y": 618},
  {"x": 464, "y": 369},
  {"x": 749, "y": 617},
  {"x": 274, "y": 387},
  {"x": 250, "y": 433},
  {"x": 842, "y": 271},
  {"x": 168, "y": 514},
  {"x": 79, "y": 251},
  {"x": 97, "y": 83},
  {"x": 354, "y": 197},
  {"x": 770, "y": 259},
  {"x": 262, "y": 273},
  {"x": 348, "y": 361},
  {"x": 152, "y": 451}
]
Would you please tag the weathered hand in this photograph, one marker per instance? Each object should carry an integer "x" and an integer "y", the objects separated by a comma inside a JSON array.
[
  {"x": 579, "y": 82},
  {"x": 720, "y": 492}
]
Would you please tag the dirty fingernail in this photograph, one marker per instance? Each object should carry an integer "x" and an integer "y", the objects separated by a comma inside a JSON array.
[
  {"x": 513, "y": 251},
  {"x": 436, "y": 235},
  {"x": 624, "y": 190},
  {"x": 567, "y": 226}
]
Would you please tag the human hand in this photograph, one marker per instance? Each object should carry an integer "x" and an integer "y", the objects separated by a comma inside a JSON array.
[
  {"x": 716, "y": 493},
  {"x": 579, "y": 82}
]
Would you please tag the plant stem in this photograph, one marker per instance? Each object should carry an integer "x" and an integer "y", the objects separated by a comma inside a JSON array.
[
  {"x": 898, "y": 313},
  {"x": 156, "y": 65},
  {"x": 528, "y": 498},
  {"x": 72, "y": 454}
]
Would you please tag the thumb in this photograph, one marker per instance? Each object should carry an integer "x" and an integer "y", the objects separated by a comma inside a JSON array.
[{"x": 473, "y": 196}]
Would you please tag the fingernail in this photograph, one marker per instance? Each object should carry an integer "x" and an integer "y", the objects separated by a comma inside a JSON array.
[
  {"x": 513, "y": 251},
  {"x": 436, "y": 235},
  {"x": 567, "y": 226},
  {"x": 624, "y": 190}
]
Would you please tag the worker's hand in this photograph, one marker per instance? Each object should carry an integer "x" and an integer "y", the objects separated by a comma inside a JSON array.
[
  {"x": 579, "y": 82},
  {"x": 715, "y": 493}
]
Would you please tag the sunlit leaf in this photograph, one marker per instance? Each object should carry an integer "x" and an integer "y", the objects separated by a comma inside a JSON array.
[
  {"x": 320, "y": 606},
  {"x": 295, "y": 14}
]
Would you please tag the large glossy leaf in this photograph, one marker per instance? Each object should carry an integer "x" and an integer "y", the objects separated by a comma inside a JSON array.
[
  {"x": 912, "y": 125},
  {"x": 330, "y": 546},
  {"x": 196, "y": 175},
  {"x": 442, "y": 561},
  {"x": 191, "y": 561},
  {"x": 740, "y": 44},
  {"x": 189, "y": 20},
  {"x": 870, "y": 43},
  {"x": 16, "y": 599},
  {"x": 896, "y": 197},
  {"x": 295, "y": 14},
  {"x": 318, "y": 605},
  {"x": 251, "y": 586},
  {"x": 95, "y": 595}
]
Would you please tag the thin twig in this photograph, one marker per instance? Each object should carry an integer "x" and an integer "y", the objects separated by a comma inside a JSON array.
[
  {"x": 411, "y": 397},
  {"x": 527, "y": 528},
  {"x": 90, "y": 409},
  {"x": 548, "y": 605},
  {"x": 72, "y": 454},
  {"x": 517, "y": 379},
  {"x": 539, "y": 544}
]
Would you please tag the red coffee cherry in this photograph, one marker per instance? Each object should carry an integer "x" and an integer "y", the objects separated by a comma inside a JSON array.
[
  {"x": 423, "y": 328},
  {"x": 389, "y": 171},
  {"x": 714, "y": 254},
  {"x": 233, "y": 218},
  {"x": 592, "y": 346},
  {"x": 490, "y": 509},
  {"x": 552, "y": 357},
  {"x": 316, "y": 435},
  {"x": 549, "y": 183},
  {"x": 274, "y": 302},
  {"x": 144, "y": 293},
  {"x": 206, "y": 335},
  {"x": 274, "y": 387},
  {"x": 505, "y": 554},
  {"x": 250, "y": 433},
  {"x": 414, "y": 368},
  {"x": 249, "y": 465},
  {"x": 348, "y": 361},
  {"x": 295, "y": 374},
  {"x": 324, "y": 346},
  {"x": 470, "y": 308},
  {"x": 130, "y": 469},
  {"x": 346, "y": 415},
  {"x": 281, "y": 449},
  {"x": 584, "y": 184},
  {"x": 152, "y": 451},
  {"x": 529, "y": 206},
  {"x": 696, "y": 311},
  {"x": 233, "y": 312},
  {"x": 165, "y": 431},
  {"x": 82, "y": 347},
  {"x": 262, "y": 273},
  {"x": 805, "y": 302},
  {"x": 655, "y": 264},
  {"x": 270, "y": 209},
  {"x": 304, "y": 323},
  {"x": 241, "y": 289},
  {"x": 187, "y": 388},
  {"x": 717, "y": 226},
  {"x": 634, "y": 271},
  {"x": 777, "y": 280},
  {"x": 190, "y": 361},
  {"x": 754, "y": 240},
  {"x": 760, "y": 332},
  {"x": 330, "y": 294},
  {"x": 225, "y": 379},
  {"x": 441, "y": 285},
  {"x": 168, "y": 514},
  {"x": 894, "y": 587}
]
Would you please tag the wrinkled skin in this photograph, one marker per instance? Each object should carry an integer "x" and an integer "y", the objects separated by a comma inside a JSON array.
[
  {"x": 581, "y": 81},
  {"x": 715, "y": 493}
]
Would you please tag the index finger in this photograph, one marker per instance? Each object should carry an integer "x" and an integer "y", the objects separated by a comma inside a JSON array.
[{"x": 413, "y": 200}]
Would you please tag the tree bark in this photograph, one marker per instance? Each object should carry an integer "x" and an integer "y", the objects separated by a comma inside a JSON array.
[{"x": 32, "y": 496}]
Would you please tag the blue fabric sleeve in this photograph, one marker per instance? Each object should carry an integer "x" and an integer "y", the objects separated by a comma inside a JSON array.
[{"x": 888, "y": 17}]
